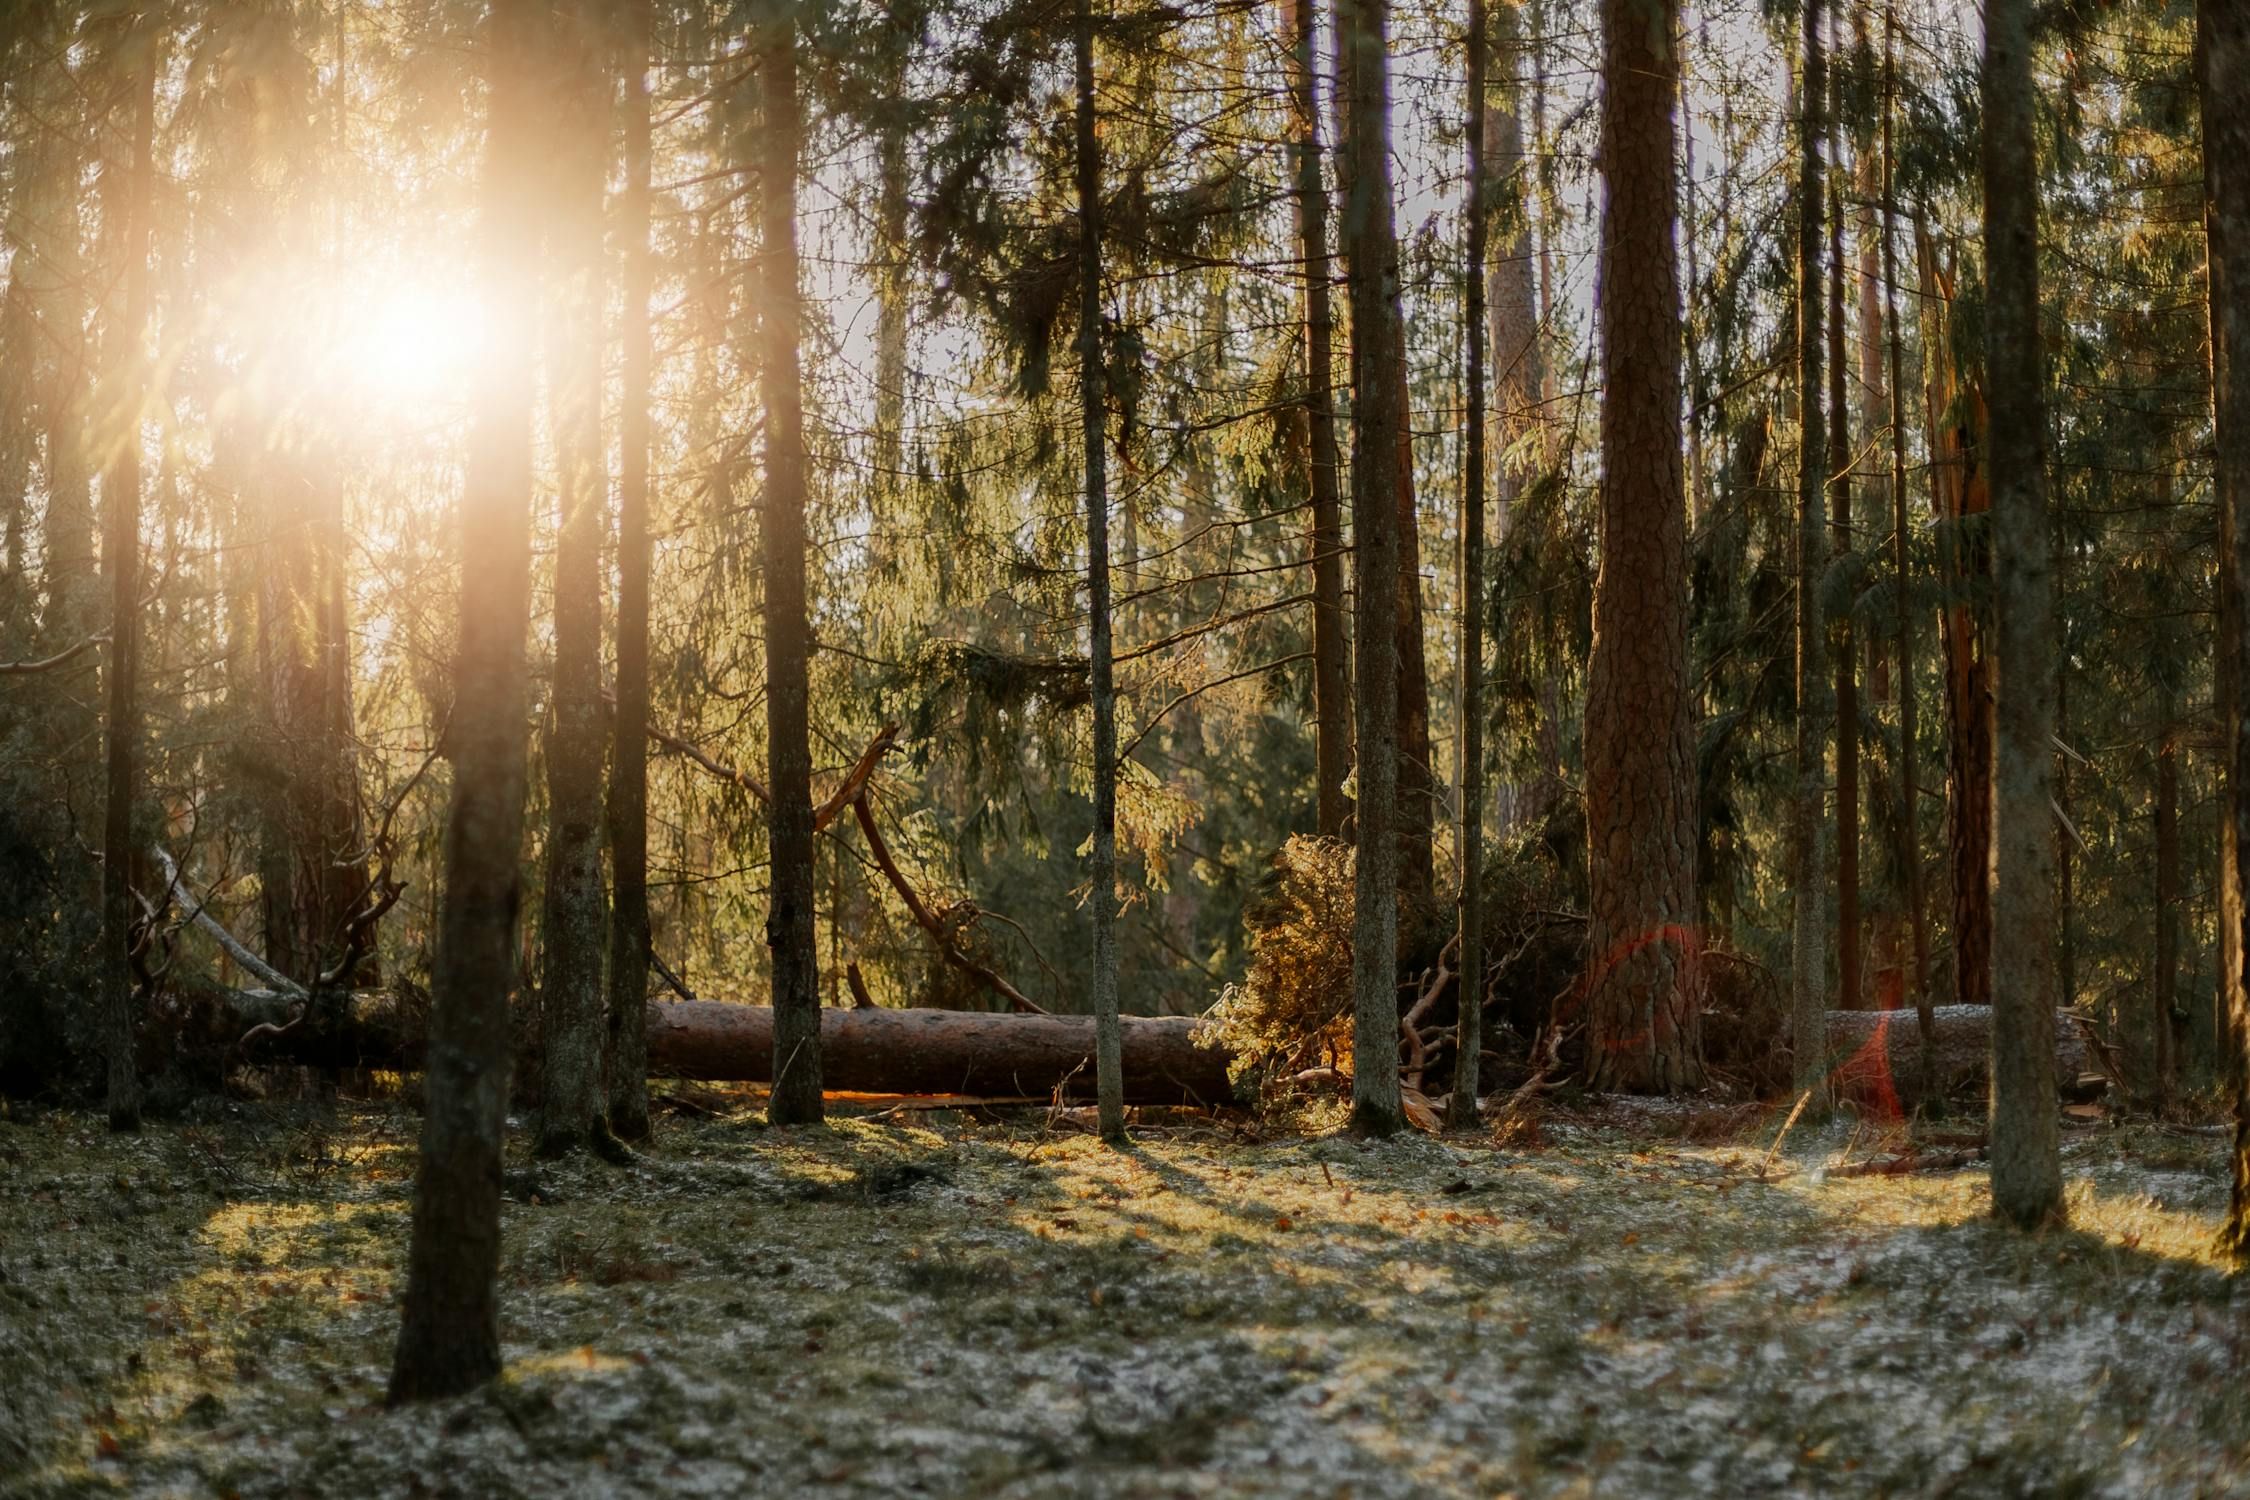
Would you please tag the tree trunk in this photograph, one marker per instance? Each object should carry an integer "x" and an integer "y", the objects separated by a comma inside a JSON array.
[
  {"x": 2026, "y": 1164},
  {"x": 1517, "y": 372},
  {"x": 449, "y": 1332},
  {"x": 574, "y": 923},
  {"x": 1840, "y": 634},
  {"x": 1417, "y": 773},
  {"x": 1910, "y": 791},
  {"x": 1332, "y": 696},
  {"x": 2223, "y": 77},
  {"x": 1642, "y": 988},
  {"x": 2159, "y": 1055},
  {"x": 1808, "y": 973},
  {"x": 1959, "y": 491},
  {"x": 1461, "y": 1110},
  {"x": 789, "y": 921},
  {"x": 627, "y": 1060},
  {"x": 1109, "y": 1081},
  {"x": 1378, "y": 438},
  {"x": 125, "y": 200}
]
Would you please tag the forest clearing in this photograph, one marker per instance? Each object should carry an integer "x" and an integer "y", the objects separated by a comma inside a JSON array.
[{"x": 953, "y": 1302}]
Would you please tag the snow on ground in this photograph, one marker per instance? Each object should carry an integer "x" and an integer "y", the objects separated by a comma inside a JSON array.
[{"x": 938, "y": 1305}]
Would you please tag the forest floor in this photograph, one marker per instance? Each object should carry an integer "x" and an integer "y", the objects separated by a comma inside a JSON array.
[{"x": 931, "y": 1302}]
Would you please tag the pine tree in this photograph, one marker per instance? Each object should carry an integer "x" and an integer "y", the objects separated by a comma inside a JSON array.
[
  {"x": 1643, "y": 1000},
  {"x": 796, "y": 1098},
  {"x": 449, "y": 1327},
  {"x": 2026, "y": 1161}
]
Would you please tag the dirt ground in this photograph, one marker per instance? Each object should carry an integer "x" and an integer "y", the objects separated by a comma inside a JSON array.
[{"x": 937, "y": 1303}]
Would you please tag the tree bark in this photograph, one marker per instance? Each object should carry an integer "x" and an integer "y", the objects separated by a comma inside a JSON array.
[
  {"x": 1808, "y": 973},
  {"x": 2160, "y": 1058},
  {"x": 789, "y": 922},
  {"x": 125, "y": 195},
  {"x": 1910, "y": 791},
  {"x": 1378, "y": 438},
  {"x": 2223, "y": 78},
  {"x": 574, "y": 920},
  {"x": 1643, "y": 985},
  {"x": 1109, "y": 1080},
  {"x": 1842, "y": 651},
  {"x": 1517, "y": 373},
  {"x": 2026, "y": 1160},
  {"x": 864, "y": 1049},
  {"x": 1332, "y": 695},
  {"x": 1461, "y": 1107},
  {"x": 449, "y": 1332},
  {"x": 626, "y": 1064},
  {"x": 1959, "y": 492}
]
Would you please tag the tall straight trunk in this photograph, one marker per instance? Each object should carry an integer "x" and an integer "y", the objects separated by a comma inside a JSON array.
[
  {"x": 1643, "y": 983},
  {"x": 2160, "y": 1061},
  {"x": 1332, "y": 692},
  {"x": 50, "y": 263},
  {"x": 574, "y": 919},
  {"x": 1109, "y": 1068},
  {"x": 1841, "y": 648},
  {"x": 1808, "y": 974},
  {"x": 1461, "y": 1112},
  {"x": 796, "y": 1095},
  {"x": 1517, "y": 364},
  {"x": 628, "y": 750},
  {"x": 1955, "y": 413},
  {"x": 2223, "y": 75},
  {"x": 2026, "y": 1148},
  {"x": 1910, "y": 791},
  {"x": 449, "y": 1329},
  {"x": 1370, "y": 244},
  {"x": 125, "y": 193},
  {"x": 1417, "y": 774}
]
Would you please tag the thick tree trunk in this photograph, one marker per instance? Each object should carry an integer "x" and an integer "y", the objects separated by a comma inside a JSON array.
[
  {"x": 626, "y": 1064},
  {"x": 2223, "y": 76},
  {"x": 1332, "y": 694},
  {"x": 1642, "y": 988},
  {"x": 1093, "y": 425},
  {"x": 125, "y": 201},
  {"x": 1461, "y": 1110},
  {"x": 574, "y": 922},
  {"x": 2026, "y": 1164},
  {"x": 789, "y": 920},
  {"x": 449, "y": 1333},
  {"x": 1370, "y": 243},
  {"x": 1808, "y": 960}
]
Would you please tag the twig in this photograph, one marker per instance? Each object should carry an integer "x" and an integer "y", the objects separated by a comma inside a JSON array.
[{"x": 1775, "y": 1150}]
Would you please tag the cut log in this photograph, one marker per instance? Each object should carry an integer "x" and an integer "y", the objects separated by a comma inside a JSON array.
[
  {"x": 1877, "y": 1054},
  {"x": 862, "y": 1050}
]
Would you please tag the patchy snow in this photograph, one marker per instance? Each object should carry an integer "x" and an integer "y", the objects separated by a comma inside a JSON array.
[{"x": 945, "y": 1306}]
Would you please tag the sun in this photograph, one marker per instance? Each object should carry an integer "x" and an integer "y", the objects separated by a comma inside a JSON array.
[{"x": 407, "y": 342}]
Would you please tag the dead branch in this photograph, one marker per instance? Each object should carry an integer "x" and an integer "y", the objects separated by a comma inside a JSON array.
[
  {"x": 226, "y": 940},
  {"x": 49, "y": 663},
  {"x": 925, "y": 919}
]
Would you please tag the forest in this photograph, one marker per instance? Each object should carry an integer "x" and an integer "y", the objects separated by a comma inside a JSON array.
[{"x": 1124, "y": 747}]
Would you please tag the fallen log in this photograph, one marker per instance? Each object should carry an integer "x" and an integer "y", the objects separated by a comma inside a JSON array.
[
  {"x": 1876, "y": 1055},
  {"x": 862, "y": 1050}
]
